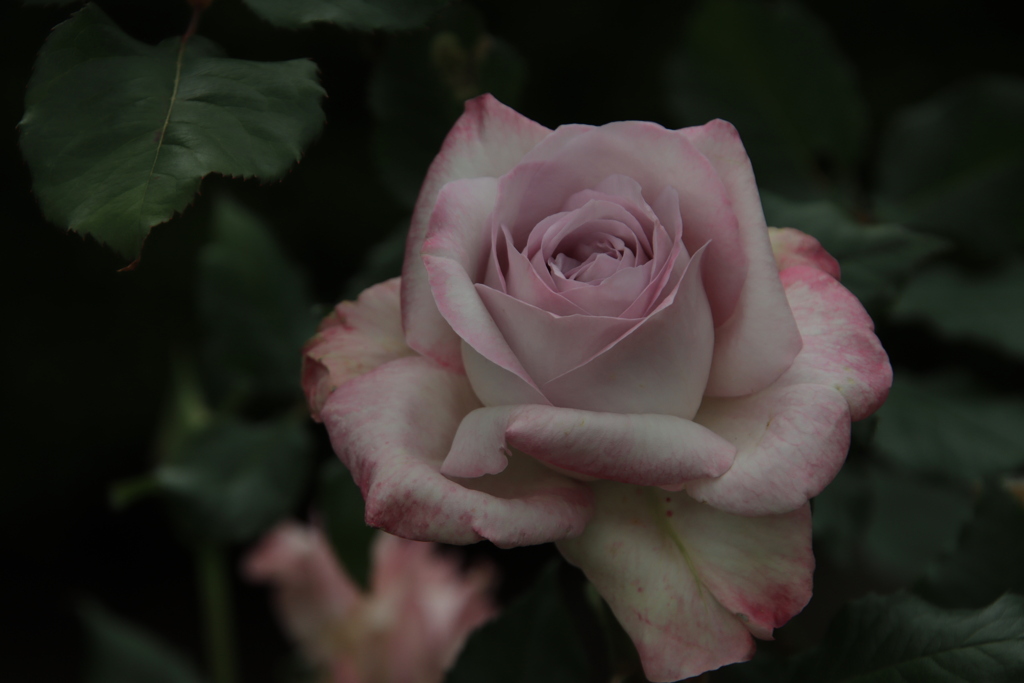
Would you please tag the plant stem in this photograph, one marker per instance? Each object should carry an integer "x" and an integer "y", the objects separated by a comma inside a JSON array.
[{"x": 215, "y": 587}]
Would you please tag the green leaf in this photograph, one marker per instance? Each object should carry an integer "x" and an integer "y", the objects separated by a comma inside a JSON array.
[
  {"x": 888, "y": 522},
  {"x": 255, "y": 309},
  {"x": 237, "y": 478},
  {"x": 118, "y": 134},
  {"x": 364, "y": 15},
  {"x": 955, "y": 165},
  {"x": 902, "y": 639},
  {"x": 775, "y": 73},
  {"x": 875, "y": 259},
  {"x": 344, "y": 520},
  {"x": 989, "y": 559},
  {"x": 840, "y": 513},
  {"x": 418, "y": 90},
  {"x": 946, "y": 425},
  {"x": 910, "y": 523},
  {"x": 533, "y": 641},
  {"x": 123, "y": 653},
  {"x": 986, "y": 308},
  {"x": 227, "y": 478}
]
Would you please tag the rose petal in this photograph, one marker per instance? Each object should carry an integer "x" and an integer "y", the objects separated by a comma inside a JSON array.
[
  {"x": 641, "y": 372},
  {"x": 525, "y": 283},
  {"x": 487, "y": 141},
  {"x": 840, "y": 346},
  {"x": 759, "y": 342},
  {"x": 576, "y": 158},
  {"x": 496, "y": 386},
  {"x": 545, "y": 344},
  {"x": 792, "y": 438},
  {"x": 687, "y": 581},
  {"x": 794, "y": 248},
  {"x": 453, "y": 256},
  {"x": 790, "y": 442},
  {"x": 356, "y": 337},
  {"x": 649, "y": 450},
  {"x": 393, "y": 427},
  {"x": 313, "y": 593}
]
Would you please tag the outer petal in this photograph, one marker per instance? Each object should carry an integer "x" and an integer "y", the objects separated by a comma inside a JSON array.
[
  {"x": 792, "y": 438},
  {"x": 790, "y": 442},
  {"x": 487, "y": 141},
  {"x": 393, "y": 427},
  {"x": 454, "y": 255},
  {"x": 649, "y": 450},
  {"x": 687, "y": 581},
  {"x": 356, "y": 337},
  {"x": 794, "y": 248},
  {"x": 759, "y": 342},
  {"x": 840, "y": 346}
]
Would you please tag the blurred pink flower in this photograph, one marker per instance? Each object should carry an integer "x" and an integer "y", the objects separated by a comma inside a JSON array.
[{"x": 409, "y": 628}]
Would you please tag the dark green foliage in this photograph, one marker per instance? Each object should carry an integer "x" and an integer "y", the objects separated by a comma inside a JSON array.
[
  {"x": 910, "y": 522},
  {"x": 989, "y": 559},
  {"x": 891, "y": 522},
  {"x": 123, "y": 653},
  {"x": 364, "y": 15},
  {"x": 902, "y": 639},
  {"x": 118, "y": 134},
  {"x": 945, "y": 424},
  {"x": 985, "y": 307},
  {"x": 774, "y": 72},
  {"x": 876, "y": 259},
  {"x": 228, "y": 478},
  {"x": 533, "y": 641},
  {"x": 419, "y": 87},
  {"x": 255, "y": 309},
  {"x": 955, "y": 165}
]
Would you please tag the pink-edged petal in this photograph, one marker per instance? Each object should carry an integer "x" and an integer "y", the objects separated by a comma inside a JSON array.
[
  {"x": 393, "y": 428},
  {"x": 760, "y": 568},
  {"x": 690, "y": 583},
  {"x": 759, "y": 342},
  {"x": 792, "y": 438},
  {"x": 794, "y": 248},
  {"x": 648, "y": 450},
  {"x": 655, "y": 158},
  {"x": 433, "y": 605},
  {"x": 643, "y": 372},
  {"x": 312, "y": 591},
  {"x": 790, "y": 442},
  {"x": 487, "y": 141},
  {"x": 354, "y": 338},
  {"x": 459, "y": 226},
  {"x": 840, "y": 347}
]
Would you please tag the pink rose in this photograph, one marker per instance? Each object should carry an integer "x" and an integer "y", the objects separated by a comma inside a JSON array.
[
  {"x": 410, "y": 627},
  {"x": 597, "y": 348}
]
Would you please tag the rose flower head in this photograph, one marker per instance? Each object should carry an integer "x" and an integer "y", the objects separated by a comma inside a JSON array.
[
  {"x": 410, "y": 627},
  {"x": 597, "y": 341}
]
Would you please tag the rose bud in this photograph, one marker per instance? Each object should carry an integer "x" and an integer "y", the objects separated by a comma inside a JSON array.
[
  {"x": 410, "y": 627},
  {"x": 593, "y": 343}
]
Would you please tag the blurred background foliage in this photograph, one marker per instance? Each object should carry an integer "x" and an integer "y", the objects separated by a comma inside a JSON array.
[{"x": 154, "y": 420}]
